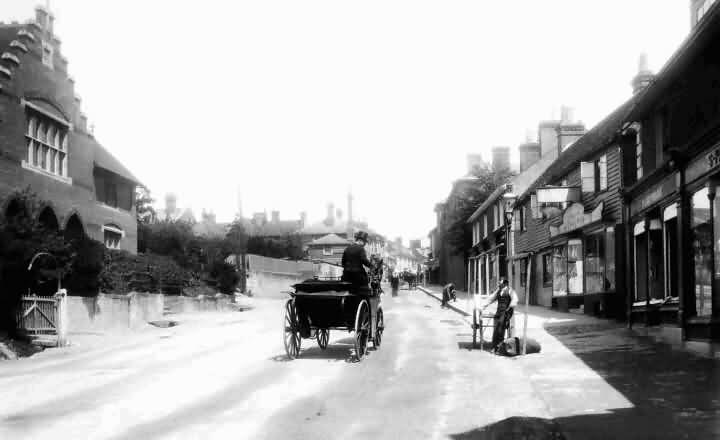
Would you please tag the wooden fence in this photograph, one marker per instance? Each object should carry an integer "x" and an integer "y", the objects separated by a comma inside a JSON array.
[{"x": 44, "y": 316}]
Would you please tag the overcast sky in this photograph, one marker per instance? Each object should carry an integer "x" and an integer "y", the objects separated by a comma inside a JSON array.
[{"x": 297, "y": 101}]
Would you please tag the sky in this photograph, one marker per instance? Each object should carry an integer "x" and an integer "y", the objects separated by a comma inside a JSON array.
[{"x": 293, "y": 104}]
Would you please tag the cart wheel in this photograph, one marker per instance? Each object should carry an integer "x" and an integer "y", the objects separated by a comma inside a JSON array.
[
  {"x": 291, "y": 330},
  {"x": 323, "y": 335},
  {"x": 380, "y": 326},
  {"x": 362, "y": 329},
  {"x": 475, "y": 329}
]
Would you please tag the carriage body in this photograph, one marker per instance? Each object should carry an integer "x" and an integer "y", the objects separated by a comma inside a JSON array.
[{"x": 318, "y": 306}]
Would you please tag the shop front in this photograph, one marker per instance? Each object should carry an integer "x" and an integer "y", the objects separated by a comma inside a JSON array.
[{"x": 580, "y": 265}]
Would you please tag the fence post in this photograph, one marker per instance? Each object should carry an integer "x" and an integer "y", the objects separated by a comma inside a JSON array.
[{"x": 61, "y": 318}]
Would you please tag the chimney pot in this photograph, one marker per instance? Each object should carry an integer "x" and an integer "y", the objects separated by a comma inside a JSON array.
[
  {"x": 501, "y": 158},
  {"x": 276, "y": 217}
]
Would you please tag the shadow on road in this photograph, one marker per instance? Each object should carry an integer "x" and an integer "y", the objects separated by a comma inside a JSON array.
[{"x": 340, "y": 350}]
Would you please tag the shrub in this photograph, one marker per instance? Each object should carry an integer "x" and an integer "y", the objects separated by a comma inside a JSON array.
[
  {"x": 225, "y": 275},
  {"x": 124, "y": 272}
]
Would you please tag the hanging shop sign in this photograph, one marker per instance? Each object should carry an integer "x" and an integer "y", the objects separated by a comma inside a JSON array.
[
  {"x": 655, "y": 194},
  {"x": 558, "y": 194},
  {"x": 575, "y": 218}
]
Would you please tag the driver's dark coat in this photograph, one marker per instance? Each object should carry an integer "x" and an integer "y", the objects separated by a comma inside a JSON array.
[{"x": 353, "y": 259}]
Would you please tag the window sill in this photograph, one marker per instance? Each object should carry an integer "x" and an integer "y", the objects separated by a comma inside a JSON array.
[{"x": 63, "y": 179}]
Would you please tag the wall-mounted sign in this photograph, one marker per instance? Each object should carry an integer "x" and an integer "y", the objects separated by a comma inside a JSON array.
[
  {"x": 575, "y": 218},
  {"x": 558, "y": 194},
  {"x": 703, "y": 164},
  {"x": 654, "y": 194}
]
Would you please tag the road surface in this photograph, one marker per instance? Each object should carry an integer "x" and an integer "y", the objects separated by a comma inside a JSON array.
[{"x": 226, "y": 376}]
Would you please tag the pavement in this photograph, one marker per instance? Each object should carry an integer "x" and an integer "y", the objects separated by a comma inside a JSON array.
[{"x": 225, "y": 375}]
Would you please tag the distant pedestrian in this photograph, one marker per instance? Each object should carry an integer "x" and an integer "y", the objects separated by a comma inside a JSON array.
[
  {"x": 394, "y": 283},
  {"x": 506, "y": 299},
  {"x": 447, "y": 294}
]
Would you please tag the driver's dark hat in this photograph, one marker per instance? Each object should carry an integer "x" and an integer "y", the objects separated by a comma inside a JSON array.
[{"x": 361, "y": 235}]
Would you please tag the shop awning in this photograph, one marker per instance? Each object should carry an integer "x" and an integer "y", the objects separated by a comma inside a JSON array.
[
  {"x": 520, "y": 256},
  {"x": 483, "y": 253}
]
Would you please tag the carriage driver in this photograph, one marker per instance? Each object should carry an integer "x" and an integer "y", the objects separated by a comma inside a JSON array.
[{"x": 353, "y": 259}]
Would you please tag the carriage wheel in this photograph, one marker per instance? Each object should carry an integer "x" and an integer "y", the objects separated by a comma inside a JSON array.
[
  {"x": 362, "y": 329},
  {"x": 291, "y": 330},
  {"x": 379, "y": 328},
  {"x": 475, "y": 329},
  {"x": 323, "y": 335}
]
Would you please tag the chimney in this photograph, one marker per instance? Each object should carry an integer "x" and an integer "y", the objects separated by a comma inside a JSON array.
[
  {"x": 239, "y": 203},
  {"x": 338, "y": 213},
  {"x": 170, "y": 203},
  {"x": 303, "y": 219},
  {"x": 500, "y": 158},
  {"x": 330, "y": 219},
  {"x": 41, "y": 16},
  {"x": 567, "y": 115},
  {"x": 474, "y": 161},
  {"x": 644, "y": 76},
  {"x": 349, "y": 228},
  {"x": 276, "y": 217},
  {"x": 529, "y": 154}
]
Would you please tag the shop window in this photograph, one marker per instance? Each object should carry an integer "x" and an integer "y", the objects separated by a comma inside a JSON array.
[
  {"x": 600, "y": 261},
  {"x": 640, "y": 252},
  {"x": 670, "y": 243},
  {"x": 702, "y": 249},
  {"x": 610, "y": 259},
  {"x": 559, "y": 258},
  {"x": 575, "y": 267},
  {"x": 594, "y": 262},
  {"x": 547, "y": 268}
]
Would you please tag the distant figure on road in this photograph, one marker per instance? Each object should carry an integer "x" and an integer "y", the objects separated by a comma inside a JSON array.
[
  {"x": 447, "y": 294},
  {"x": 394, "y": 283},
  {"x": 507, "y": 299},
  {"x": 353, "y": 259}
]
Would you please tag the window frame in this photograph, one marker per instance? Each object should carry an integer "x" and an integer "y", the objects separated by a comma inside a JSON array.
[
  {"x": 46, "y": 139},
  {"x": 325, "y": 250},
  {"x": 112, "y": 229}
]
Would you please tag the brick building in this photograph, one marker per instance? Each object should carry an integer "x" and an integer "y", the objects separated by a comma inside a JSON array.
[{"x": 45, "y": 143}]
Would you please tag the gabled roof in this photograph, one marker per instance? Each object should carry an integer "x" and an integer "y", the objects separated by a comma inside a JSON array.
[
  {"x": 589, "y": 144},
  {"x": 104, "y": 159},
  {"x": 330, "y": 240},
  {"x": 517, "y": 184}
]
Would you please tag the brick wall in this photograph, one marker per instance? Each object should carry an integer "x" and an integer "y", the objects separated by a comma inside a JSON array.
[{"x": 54, "y": 91}]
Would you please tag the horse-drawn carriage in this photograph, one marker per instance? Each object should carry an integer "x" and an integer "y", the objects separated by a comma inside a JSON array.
[{"x": 320, "y": 305}]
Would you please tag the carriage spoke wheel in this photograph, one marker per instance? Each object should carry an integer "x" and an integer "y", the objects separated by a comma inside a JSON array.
[
  {"x": 291, "y": 330},
  {"x": 362, "y": 329},
  {"x": 323, "y": 335},
  {"x": 379, "y": 328}
]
